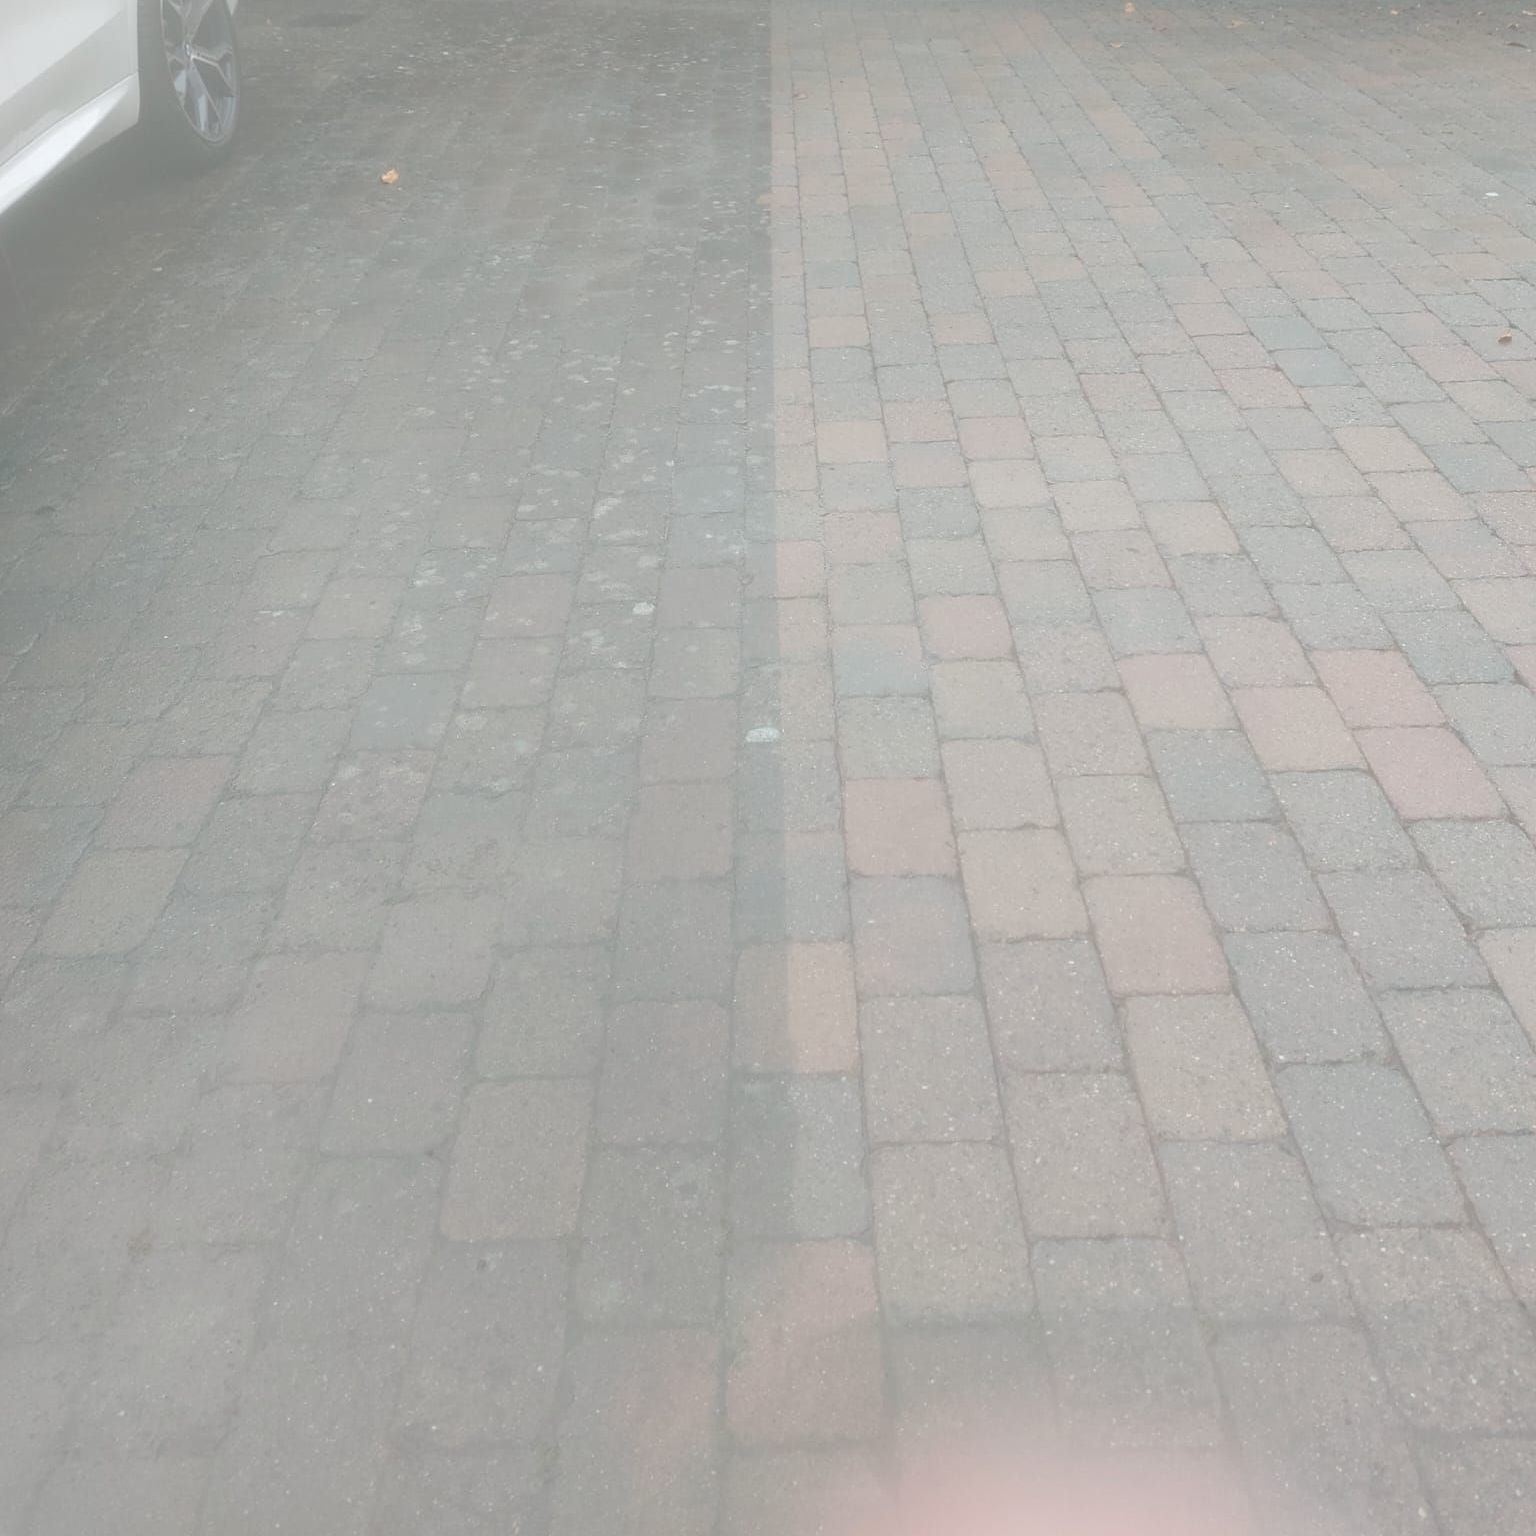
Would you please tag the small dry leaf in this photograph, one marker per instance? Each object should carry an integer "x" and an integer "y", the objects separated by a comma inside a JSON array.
[
  {"x": 1130, "y": 10},
  {"x": 390, "y": 177},
  {"x": 1506, "y": 338}
]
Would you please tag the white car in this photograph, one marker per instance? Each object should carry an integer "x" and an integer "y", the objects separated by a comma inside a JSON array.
[{"x": 75, "y": 73}]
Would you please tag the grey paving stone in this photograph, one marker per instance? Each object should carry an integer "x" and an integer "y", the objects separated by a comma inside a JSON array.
[
  {"x": 1498, "y": 723},
  {"x": 911, "y": 936},
  {"x": 1068, "y": 1130},
  {"x": 360, "y": 1243},
  {"x": 404, "y": 711},
  {"x": 400, "y": 1084},
  {"x": 1139, "y": 620},
  {"x": 1499, "y": 1175},
  {"x": 1401, "y": 930},
  {"x": 1481, "y": 1486},
  {"x": 1251, "y": 1233},
  {"x": 458, "y": 1494},
  {"x": 663, "y": 1074},
  {"x": 1331, "y": 616},
  {"x": 948, "y": 1240},
  {"x": 652, "y": 1236},
  {"x": 1343, "y": 821},
  {"x": 1468, "y": 1057},
  {"x": 309, "y": 1441},
  {"x": 928, "y": 1071},
  {"x": 518, "y": 1161},
  {"x": 485, "y": 1346},
  {"x": 1305, "y": 998},
  {"x": 1210, "y": 775},
  {"x": 887, "y": 738},
  {"x": 1198, "y": 1069},
  {"x": 1447, "y": 645},
  {"x": 1432, "y": 1298},
  {"x": 674, "y": 941},
  {"x": 1253, "y": 877},
  {"x": 1124, "y": 1341},
  {"x": 248, "y": 844},
  {"x": 1368, "y": 1145},
  {"x": 1049, "y": 1006},
  {"x": 622, "y": 1380},
  {"x": 1317, "y": 1425},
  {"x": 796, "y": 1166},
  {"x": 544, "y": 1013},
  {"x": 1488, "y": 867},
  {"x": 1119, "y": 824},
  {"x": 952, "y": 1380},
  {"x": 168, "y": 1365},
  {"x": 435, "y": 952}
]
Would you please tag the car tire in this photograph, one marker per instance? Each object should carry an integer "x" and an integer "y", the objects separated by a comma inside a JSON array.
[{"x": 189, "y": 86}]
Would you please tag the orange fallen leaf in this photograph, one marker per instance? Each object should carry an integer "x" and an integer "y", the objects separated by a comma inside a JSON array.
[{"x": 390, "y": 177}]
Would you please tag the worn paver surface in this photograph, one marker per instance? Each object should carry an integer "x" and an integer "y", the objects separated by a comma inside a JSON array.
[{"x": 831, "y": 735}]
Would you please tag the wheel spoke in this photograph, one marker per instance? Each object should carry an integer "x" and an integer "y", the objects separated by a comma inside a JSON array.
[
  {"x": 200, "y": 57},
  {"x": 190, "y": 14},
  {"x": 215, "y": 65},
  {"x": 197, "y": 101}
]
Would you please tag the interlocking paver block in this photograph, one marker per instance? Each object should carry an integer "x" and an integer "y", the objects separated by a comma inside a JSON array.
[
  {"x": 928, "y": 1072},
  {"x": 1021, "y": 885},
  {"x": 1473, "y": 1066},
  {"x": 1427, "y": 771},
  {"x": 1121, "y": 1330},
  {"x": 1431, "y": 1298},
  {"x": 1069, "y": 1130},
  {"x": 1119, "y": 824},
  {"x": 1154, "y": 935},
  {"x": 652, "y": 1236},
  {"x": 1294, "y": 729},
  {"x": 795, "y": 1009},
  {"x": 1368, "y": 1144},
  {"x": 1253, "y": 876},
  {"x": 948, "y": 1240},
  {"x": 804, "y": 1321},
  {"x": 518, "y": 1161},
  {"x": 1175, "y": 692},
  {"x": 664, "y": 1073},
  {"x": 1199, "y": 1071},
  {"x": 898, "y": 827},
  {"x": 1343, "y": 821},
  {"x": 1210, "y": 776},
  {"x": 1401, "y": 930},
  {"x": 911, "y": 936},
  {"x": 796, "y": 1165},
  {"x": 1251, "y": 1232}
]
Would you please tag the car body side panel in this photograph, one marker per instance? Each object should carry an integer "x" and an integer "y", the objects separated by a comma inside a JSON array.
[
  {"x": 68, "y": 80},
  {"x": 113, "y": 112}
]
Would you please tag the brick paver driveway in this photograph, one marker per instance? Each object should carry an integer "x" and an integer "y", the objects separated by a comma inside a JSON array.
[{"x": 831, "y": 732}]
